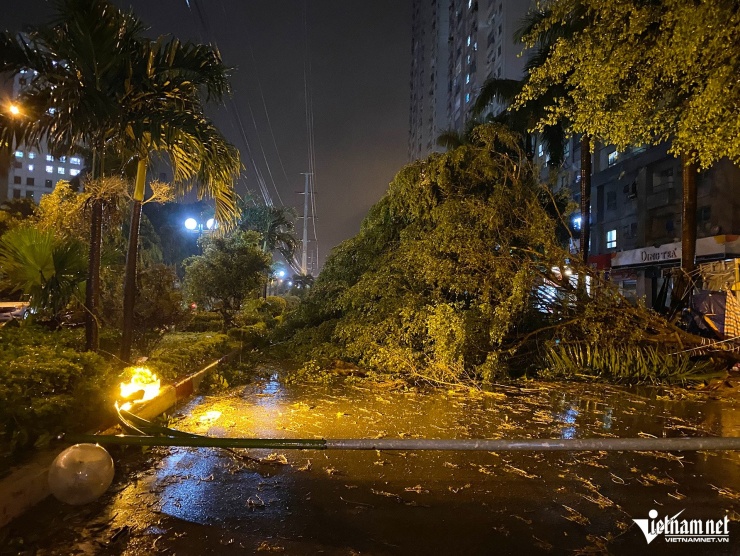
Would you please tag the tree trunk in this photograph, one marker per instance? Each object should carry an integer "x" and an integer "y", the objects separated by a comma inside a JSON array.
[
  {"x": 688, "y": 220},
  {"x": 684, "y": 281},
  {"x": 585, "y": 196},
  {"x": 92, "y": 292},
  {"x": 132, "y": 255}
]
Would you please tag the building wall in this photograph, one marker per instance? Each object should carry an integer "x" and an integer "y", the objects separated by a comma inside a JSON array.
[
  {"x": 427, "y": 119},
  {"x": 32, "y": 172},
  {"x": 456, "y": 46}
]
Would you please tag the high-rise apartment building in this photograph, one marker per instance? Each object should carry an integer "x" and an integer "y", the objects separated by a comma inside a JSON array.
[
  {"x": 456, "y": 46},
  {"x": 427, "y": 116},
  {"x": 33, "y": 172}
]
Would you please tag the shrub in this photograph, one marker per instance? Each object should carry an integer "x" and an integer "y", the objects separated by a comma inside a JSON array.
[
  {"x": 181, "y": 353},
  {"x": 250, "y": 337},
  {"x": 46, "y": 386},
  {"x": 205, "y": 322}
]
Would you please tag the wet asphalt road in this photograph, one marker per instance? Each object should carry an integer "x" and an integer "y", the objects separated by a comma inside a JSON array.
[{"x": 211, "y": 501}]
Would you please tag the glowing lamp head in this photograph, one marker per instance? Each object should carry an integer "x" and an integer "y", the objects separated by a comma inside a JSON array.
[
  {"x": 14, "y": 110},
  {"x": 211, "y": 224},
  {"x": 191, "y": 224},
  {"x": 281, "y": 274},
  {"x": 143, "y": 385}
]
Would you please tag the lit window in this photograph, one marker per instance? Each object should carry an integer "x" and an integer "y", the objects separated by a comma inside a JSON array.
[
  {"x": 31, "y": 155},
  {"x": 74, "y": 171},
  {"x": 49, "y": 158},
  {"x": 19, "y": 154},
  {"x": 467, "y": 97},
  {"x": 60, "y": 170},
  {"x": 470, "y": 3},
  {"x": 611, "y": 239},
  {"x": 30, "y": 167},
  {"x": 50, "y": 169},
  {"x": 541, "y": 149},
  {"x": 62, "y": 159},
  {"x": 576, "y": 222},
  {"x": 467, "y": 78},
  {"x": 468, "y": 40},
  {"x": 75, "y": 160},
  {"x": 613, "y": 157}
]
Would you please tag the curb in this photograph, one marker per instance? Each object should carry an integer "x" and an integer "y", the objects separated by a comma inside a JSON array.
[{"x": 27, "y": 485}]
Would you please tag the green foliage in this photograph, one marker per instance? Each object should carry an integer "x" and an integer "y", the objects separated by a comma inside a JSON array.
[
  {"x": 644, "y": 73},
  {"x": 51, "y": 270},
  {"x": 229, "y": 270},
  {"x": 159, "y": 302},
  {"x": 275, "y": 226},
  {"x": 63, "y": 211},
  {"x": 47, "y": 386},
  {"x": 13, "y": 212},
  {"x": 626, "y": 363},
  {"x": 181, "y": 353},
  {"x": 250, "y": 337},
  {"x": 441, "y": 273},
  {"x": 204, "y": 321}
]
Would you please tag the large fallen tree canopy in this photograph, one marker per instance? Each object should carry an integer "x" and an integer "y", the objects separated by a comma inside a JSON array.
[{"x": 459, "y": 273}]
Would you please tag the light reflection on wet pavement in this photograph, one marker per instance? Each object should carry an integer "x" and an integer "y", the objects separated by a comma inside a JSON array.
[{"x": 203, "y": 501}]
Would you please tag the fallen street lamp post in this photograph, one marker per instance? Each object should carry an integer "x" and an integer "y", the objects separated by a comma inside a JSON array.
[{"x": 677, "y": 444}]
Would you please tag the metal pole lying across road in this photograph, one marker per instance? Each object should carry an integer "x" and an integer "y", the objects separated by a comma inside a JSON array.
[{"x": 673, "y": 444}]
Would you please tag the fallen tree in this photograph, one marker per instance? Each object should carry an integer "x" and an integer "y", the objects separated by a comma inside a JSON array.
[{"x": 458, "y": 274}]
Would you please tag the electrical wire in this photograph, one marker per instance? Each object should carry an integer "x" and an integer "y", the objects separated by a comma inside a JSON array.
[
  {"x": 307, "y": 75},
  {"x": 231, "y": 105}
]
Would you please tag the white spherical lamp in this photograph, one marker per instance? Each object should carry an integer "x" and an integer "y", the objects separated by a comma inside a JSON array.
[{"x": 81, "y": 474}]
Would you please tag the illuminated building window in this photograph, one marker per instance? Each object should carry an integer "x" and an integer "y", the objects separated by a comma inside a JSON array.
[{"x": 611, "y": 239}]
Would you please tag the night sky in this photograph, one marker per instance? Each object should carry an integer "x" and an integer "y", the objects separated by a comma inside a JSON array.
[{"x": 359, "y": 55}]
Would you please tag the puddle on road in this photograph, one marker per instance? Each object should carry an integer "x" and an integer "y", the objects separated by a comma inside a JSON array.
[{"x": 303, "y": 502}]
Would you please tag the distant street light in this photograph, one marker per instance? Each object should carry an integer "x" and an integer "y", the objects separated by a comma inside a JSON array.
[
  {"x": 14, "y": 110},
  {"x": 192, "y": 225}
]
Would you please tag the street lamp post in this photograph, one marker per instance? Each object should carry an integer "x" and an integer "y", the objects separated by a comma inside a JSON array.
[{"x": 198, "y": 227}]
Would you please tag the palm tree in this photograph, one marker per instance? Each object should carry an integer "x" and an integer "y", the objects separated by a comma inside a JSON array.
[
  {"x": 167, "y": 116},
  {"x": 275, "y": 225},
  {"x": 100, "y": 83},
  {"x": 48, "y": 269},
  {"x": 69, "y": 103}
]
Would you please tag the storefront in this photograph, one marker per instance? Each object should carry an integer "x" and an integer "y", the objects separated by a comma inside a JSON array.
[{"x": 639, "y": 273}]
